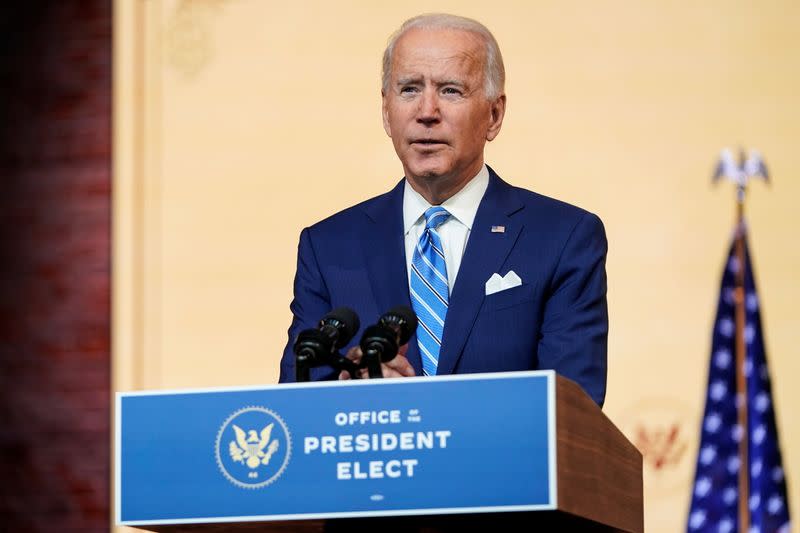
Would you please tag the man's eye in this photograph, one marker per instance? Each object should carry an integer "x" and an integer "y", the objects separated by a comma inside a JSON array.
[
  {"x": 451, "y": 91},
  {"x": 408, "y": 90}
]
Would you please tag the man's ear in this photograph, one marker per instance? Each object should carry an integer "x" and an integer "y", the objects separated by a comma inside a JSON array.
[
  {"x": 498, "y": 111},
  {"x": 385, "y": 114}
]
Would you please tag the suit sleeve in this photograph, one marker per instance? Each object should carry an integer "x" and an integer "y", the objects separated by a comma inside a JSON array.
[
  {"x": 310, "y": 303},
  {"x": 574, "y": 330}
]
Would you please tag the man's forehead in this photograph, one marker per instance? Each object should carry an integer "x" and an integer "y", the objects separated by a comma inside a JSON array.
[{"x": 437, "y": 47}]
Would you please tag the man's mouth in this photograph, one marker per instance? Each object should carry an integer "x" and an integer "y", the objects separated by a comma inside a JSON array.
[{"x": 428, "y": 142}]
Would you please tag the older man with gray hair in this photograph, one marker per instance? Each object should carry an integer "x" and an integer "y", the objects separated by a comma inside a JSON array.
[{"x": 500, "y": 278}]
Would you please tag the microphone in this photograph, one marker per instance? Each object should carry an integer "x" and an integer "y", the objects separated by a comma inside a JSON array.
[
  {"x": 318, "y": 346},
  {"x": 380, "y": 342},
  {"x": 339, "y": 326},
  {"x": 402, "y": 320}
]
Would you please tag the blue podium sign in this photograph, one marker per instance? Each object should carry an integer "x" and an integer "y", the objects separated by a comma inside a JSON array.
[{"x": 451, "y": 444}]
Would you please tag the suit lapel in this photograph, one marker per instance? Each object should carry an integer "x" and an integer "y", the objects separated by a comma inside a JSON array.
[
  {"x": 485, "y": 254},
  {"x": 385, "y": 254}
]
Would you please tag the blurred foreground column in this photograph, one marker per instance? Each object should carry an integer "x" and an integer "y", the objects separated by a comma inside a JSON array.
[{"x": 55, "y": 199}]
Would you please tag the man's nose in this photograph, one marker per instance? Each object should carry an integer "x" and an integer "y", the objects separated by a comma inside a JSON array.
[{"x": 428, "y": 112}]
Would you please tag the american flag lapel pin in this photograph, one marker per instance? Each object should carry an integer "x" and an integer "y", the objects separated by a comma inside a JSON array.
[{"x": 498, "y": 229}]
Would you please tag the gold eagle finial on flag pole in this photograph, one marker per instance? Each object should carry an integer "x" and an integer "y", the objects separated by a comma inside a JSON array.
[{"x": 740, "y": 170}]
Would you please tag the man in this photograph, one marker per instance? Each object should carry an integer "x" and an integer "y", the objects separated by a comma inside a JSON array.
[{"x": 501, "y": 278}]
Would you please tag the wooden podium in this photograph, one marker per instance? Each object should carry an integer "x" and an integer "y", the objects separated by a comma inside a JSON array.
[{"x": 596, "y": 483}]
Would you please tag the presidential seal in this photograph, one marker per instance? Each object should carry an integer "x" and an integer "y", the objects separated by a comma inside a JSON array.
[{"x": 253, "y": 447}]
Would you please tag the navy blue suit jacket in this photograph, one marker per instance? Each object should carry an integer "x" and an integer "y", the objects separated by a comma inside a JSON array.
[{"x": 557, "y": 319}]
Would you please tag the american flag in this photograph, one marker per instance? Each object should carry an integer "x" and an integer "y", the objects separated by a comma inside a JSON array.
[{"x": 715, "y": 496}]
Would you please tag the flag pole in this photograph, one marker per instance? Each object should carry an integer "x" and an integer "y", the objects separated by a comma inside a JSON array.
[
  {"x": 740, "y": 172},
  {"x": 741, "y": 356}
]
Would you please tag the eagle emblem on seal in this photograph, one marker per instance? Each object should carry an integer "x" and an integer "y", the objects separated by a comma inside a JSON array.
[{"x": 253, "y": 448}]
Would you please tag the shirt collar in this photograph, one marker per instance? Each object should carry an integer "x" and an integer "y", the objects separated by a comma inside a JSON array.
[{"x": 462, "y": 206}]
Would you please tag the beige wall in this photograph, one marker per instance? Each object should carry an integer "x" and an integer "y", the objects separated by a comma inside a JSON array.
[{"x": 239, "y": 122}]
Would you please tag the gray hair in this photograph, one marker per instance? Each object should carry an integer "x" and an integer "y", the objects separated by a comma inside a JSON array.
[{"x": 495, "y": 72}]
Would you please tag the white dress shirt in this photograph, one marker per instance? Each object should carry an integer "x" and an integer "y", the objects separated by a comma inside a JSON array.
[{"x": 454, "y": 232}]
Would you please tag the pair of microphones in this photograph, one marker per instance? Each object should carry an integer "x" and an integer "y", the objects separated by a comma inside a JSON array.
[{"x": 380, "y": 342}]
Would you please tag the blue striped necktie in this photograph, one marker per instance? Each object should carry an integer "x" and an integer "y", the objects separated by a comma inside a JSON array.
[{"x": 429, "y": 289}]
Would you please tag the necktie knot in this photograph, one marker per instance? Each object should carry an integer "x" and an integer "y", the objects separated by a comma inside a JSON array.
[{"x": 435, "y": 217}]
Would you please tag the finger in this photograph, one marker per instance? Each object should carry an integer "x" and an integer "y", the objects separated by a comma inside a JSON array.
[
  {"x": 389, "y": 372},
  {"x": 399, "y": 367},
  {"x": 344, "y": 375},
  {"x": 355, "y": 354}
]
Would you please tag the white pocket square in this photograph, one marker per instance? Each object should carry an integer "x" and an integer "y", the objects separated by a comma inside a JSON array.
[{"x": 497, "y": 283}]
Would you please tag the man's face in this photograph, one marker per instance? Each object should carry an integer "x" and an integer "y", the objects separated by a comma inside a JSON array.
[{"x": 435, "y": 107}]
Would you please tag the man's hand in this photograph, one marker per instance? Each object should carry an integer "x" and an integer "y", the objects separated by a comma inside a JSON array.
[{"x": 398, "y": 367}]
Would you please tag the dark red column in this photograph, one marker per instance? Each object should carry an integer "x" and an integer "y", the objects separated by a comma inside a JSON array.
[{"x": 55, "y": 278}]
